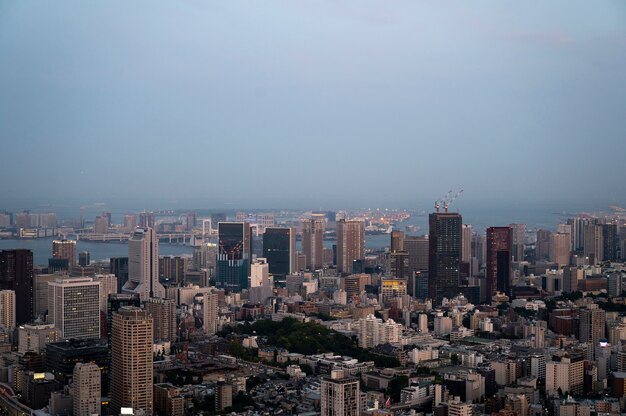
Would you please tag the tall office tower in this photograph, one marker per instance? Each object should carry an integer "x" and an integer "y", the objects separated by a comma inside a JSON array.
[
  {"x": 16, "y": 273},
  {"x": 593, "y": 247},
  {"x": 131, "y": 360},
  {"x": 130, "y": 222},
  {"x": 466, "y": 243},
  {"x": 417, "y": 248},
  {"x": 64, "y": 249},
  {"x": 479, "y": 248},
  {"x": 354, "y": 285},
  {"x": 101, "y": 225},
  {"x": 399, "y": 264},
  {"x": 86, "y": 389},
  {"x": 578, "y": 233},
  {"x": 205, "y": 257},
  {"x": 108, "y": 286},
  {"x": 146, "y": 220},
  {"x": 143, "y": 265},
  {"x": 519, "y": 240},
  {"x": 172, "y": 269},
  {"x": 74, "y": 307},
  {"x": 340, "y": 395},
  {"x": 542, "y": 246},
  {"x": 40, "y": 293},
  {"x": 592, "y": 327},
  {"x": 209, "y": 312},
  {"x": 397, "y": 241},
  {"x": 444, "y": 255},
  {"x": 119, "y": 267},
  {"x": 279, "y": 248},
  {"x": 560, "y": 248},
  {"x": 7, "y": 309},
  {"x": 163, "y": 313},
  {"x": 83, "y": 259},
  {"x": 313, "y": 241},
  {"x": 350, "y": 244},
  {"x": 233, "y": 256},
  {"x": 610, "y": 242}
]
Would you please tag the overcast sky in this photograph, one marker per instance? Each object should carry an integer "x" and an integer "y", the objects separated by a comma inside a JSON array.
[{"x": 312, "y": 104}]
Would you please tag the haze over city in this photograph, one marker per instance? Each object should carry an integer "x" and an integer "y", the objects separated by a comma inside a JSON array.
[{"x": 336, "y": 105}]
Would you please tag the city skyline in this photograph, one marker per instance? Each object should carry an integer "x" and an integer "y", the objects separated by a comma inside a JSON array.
[{"x": 440, "y": 96}]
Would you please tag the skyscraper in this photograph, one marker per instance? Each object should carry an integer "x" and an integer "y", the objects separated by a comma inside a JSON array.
[
  {"x": 279, "y": 248},
  {"x": 233, "y": 256},
  {"x": 119, "y": 267},
  {"x": 498, "y": 271},
  {"x": 209, "y": 312},
  {"x": 397, "y": 241},
  {"x": 64, "y": 249},
  {"x": 350, "y": 244},
  {"x": 518, "y": 238},
  {"x": 74, "y": 307},
  {"x": 143, "y": 265},
  {"x": 16, "y": 273},
  {"x": 417, "y": 249},
  {"x": 593, "y": 244},
  {"x": 146, "y": 219},
  {"x": 131, "y": 360},
  {"x": 466, "y": 250},
  {"x": 592, "y": 327},
  {"x": 313, "y": 241},
  {"x": 86, "y": 389},
  {"x": 444, "y": 255},
  {"x": 340, "y": 396}
]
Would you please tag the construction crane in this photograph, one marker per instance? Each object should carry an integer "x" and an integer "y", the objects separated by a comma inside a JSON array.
[
  {"x": 449, "y": 201},
  {"x": 446, "y": 200}
]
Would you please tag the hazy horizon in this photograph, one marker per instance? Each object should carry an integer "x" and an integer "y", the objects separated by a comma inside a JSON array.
[{"x": 319, "y": 105}]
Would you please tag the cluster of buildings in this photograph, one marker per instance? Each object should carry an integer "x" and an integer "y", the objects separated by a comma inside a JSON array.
[{"x": 510, "y": 322}]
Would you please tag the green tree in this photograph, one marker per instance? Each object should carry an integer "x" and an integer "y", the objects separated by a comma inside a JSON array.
[{"x": 396, "y": 385}]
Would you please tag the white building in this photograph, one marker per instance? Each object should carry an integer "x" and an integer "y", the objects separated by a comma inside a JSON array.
[
  {"x": 35, "y": 337},
  {"x": 373, "y": 331},
  {"x": 86, "y": 389},
  {"x": 74, "y": 307},
  {"x": 143, "y": 265},
  {"x": 443, "y": 326}
]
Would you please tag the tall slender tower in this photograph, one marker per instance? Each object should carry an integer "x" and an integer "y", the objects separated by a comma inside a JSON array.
[
  {"x": 233, "y": 256},
  {"x": 350, "y": 244},
  {"x": 16, "y": 273},
  {"x": 7, "y": 309},
  {"x": 498, "y": 272},
  {"x": 444, "y": 255},
  {"x": 131, "y": 360},
  {"x": 279, "y": 248},
  {"x": 313, "y": 241},
  {"x": 143, "y": 265},
  {"x": 87, "y": 389}
]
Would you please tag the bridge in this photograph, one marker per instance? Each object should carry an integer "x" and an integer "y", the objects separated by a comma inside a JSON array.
[
  {"x": 10, "y": 405},
  {"x": 171, "y": 238}
]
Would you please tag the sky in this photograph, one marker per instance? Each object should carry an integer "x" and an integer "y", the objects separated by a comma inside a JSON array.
[{"x": 312, "y": 104}]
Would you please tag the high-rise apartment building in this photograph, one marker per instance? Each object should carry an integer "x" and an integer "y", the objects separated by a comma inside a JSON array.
[
  {"x": 340, "y": 395},
  {"x": 444, "y": 255},
  {"x": 498, "y": 271},
  {"x": 86, "y": 389},
  {"x": 7, "y": 309},
  {"x": 610, "y": 242},
  {"x": 350, "y": 244},
  {"x": 233, "y": 256},
  {"x": 542, "y": 245},
  {"x": 399, "y": 264},
  {"x": 163, "y": 313},
  {"x": 313, "y": 241},
  {"x": 560, "y": 248},
  {"x": 578, "y": 233},
  {"x": 566, "y": 374},
  {"x": 279, "y": 248},
  {"x": 131, "y": 360},
  {"x": 146, "y": 220},
  {"x": 143, "y": 265},
  {"x": 35, "y": 337},
  {"x": 16, "y": 274},
  {"x": 593, "y": 245},
  {"x": 466, "y": 244},
  {"x": 209, "y": 311},
  {"x": 130, "y": 223},
  {"x": 592, "y": 327},
  {"x": 64, "y": 249},
  {"x": 74, "y": 307}
]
